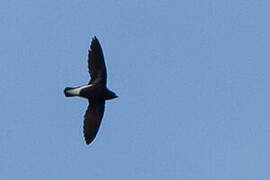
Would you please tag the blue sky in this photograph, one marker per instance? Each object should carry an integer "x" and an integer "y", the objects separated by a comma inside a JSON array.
[{"x": 192, "y": 77}]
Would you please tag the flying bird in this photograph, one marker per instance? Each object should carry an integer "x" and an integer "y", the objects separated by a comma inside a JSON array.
[{"x": 95, "y": 91}]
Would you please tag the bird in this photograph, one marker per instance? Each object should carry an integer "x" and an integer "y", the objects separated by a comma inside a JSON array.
[{"x": 95, "y": 91}]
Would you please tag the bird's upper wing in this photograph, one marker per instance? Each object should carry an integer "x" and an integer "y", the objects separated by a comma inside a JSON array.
[
  {"x": 96, "y": 64},
  {"x": 92, "y": 120}
]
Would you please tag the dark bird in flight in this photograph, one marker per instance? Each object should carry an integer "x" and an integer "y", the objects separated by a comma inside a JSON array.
[{"x": 96, "y": 91}]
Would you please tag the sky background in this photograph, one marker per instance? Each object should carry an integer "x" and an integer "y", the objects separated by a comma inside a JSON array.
[{"x": 193, "y": 79}]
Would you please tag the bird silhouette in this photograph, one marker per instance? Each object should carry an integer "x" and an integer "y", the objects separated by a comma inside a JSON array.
[{"x": 95, "y": 91}]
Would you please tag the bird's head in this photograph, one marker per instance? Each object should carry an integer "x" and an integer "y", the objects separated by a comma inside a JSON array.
[
  {"x": 110, "y": 95},
  {"x": 114, "y": 95}
]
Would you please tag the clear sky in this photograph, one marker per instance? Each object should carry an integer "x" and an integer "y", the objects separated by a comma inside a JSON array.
[{"x": 193, "y": 79}]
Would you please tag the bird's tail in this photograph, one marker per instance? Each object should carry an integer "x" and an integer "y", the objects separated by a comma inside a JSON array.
[{"x": 69, "y": 92}]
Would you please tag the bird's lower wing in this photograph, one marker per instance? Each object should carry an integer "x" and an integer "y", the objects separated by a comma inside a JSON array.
[{"x": 92, "y": 120}]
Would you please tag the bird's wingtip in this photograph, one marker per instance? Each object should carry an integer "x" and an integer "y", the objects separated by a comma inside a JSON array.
[{"x": 88, "y": 141}]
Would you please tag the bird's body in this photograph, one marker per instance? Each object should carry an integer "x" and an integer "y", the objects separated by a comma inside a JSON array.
[
  {"x": 91, "y": 92},
  {"x": 96, "y": 91}
]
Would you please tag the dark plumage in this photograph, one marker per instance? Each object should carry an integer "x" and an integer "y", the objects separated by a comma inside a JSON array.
[{"x": 96, "y": 91}]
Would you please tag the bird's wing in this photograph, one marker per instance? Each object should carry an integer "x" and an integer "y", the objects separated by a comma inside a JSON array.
[
  {"x": 96, "y": 64},
  {"x": 92, "y": 120}
]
